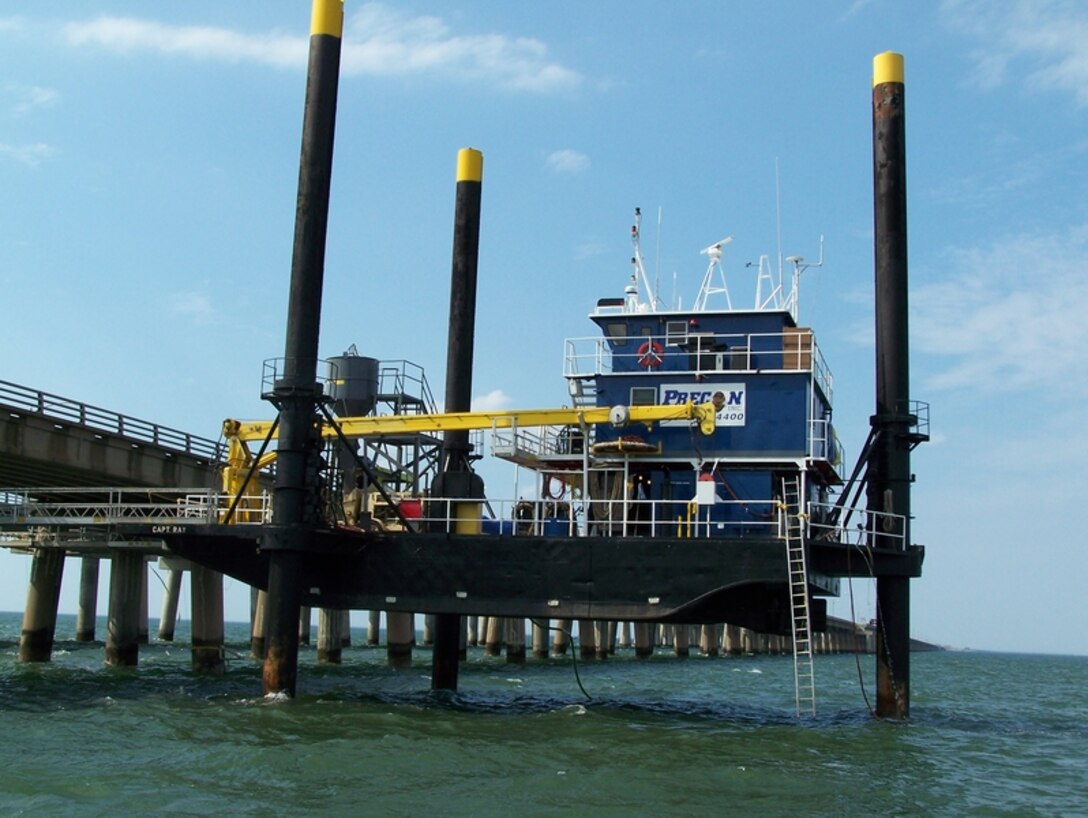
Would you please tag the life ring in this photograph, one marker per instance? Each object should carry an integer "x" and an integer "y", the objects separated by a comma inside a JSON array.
[{"x": 651, "y": 355}]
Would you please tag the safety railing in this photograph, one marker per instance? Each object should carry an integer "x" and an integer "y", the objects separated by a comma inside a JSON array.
[
  {"x": 521, "y": 517},
  {"x": 613, "y": 518},
  {"x": 403, "y": 385},
  {"x": 873, "y": 528},
  {"x": 538, "y": 441},
  {"x": 64, "y": 410},
  {"x": 699, "y": 355},
  {"x": 109, "y": 506}
]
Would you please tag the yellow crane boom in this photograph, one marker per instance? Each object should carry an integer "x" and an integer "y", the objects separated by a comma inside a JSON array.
[
  {"x": 239, "y": 474},
  {"x": 703, "y": 414}
]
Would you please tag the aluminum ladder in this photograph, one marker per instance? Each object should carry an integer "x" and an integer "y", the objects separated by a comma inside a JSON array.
[{"x": 803, "y": 673}]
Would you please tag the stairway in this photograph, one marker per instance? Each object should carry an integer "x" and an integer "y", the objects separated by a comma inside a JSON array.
[{"x": 803, "y": 673}]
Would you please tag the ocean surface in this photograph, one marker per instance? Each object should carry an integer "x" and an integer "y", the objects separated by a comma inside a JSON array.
[{"x": 990, "y": 734}]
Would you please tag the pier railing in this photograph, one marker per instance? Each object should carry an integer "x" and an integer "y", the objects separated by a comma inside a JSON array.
[{"x": 104, "y": 420}]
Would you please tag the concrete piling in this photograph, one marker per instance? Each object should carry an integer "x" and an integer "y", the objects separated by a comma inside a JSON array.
[
  {"x": 42, "y": 598},
  {"x": 587, "y": 639},
  {"x": 123, "y": 629},
  {"x": 495, "y": 633},
  {"x": 732, "y": 643},
  {"x": 540, "y": 638},
  {"x": 87, "y": 611},
  {"x": 708, "y": 640},
  {"x": 373, "y": 627},
  {"x": 206, "y": 600},
  {"x": 258, "y": 633},
  {"x": 169, "y": 615},
  {"x": 625, "y": 635},
  {"x": 600, "y": 637},
  {"x": 515, "y": 640},
  {"x": 345, "y": 628},
  {"x": 305, "y": 617},
  {"x": 400, "y": 636},
  {"x": 144, "y": 628},
  {"x": 561, "y": 637},
  {"x": 329, "y": 626},
  {"x": 644, "y": 640},
  {"x": 680, "y": 640}
]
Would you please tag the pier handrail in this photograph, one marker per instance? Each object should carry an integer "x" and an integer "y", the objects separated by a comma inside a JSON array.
[{"x": 66, "y": 410}]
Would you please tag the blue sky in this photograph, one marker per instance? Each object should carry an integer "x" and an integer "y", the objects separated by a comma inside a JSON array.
[{"x": 148, "y": 170}]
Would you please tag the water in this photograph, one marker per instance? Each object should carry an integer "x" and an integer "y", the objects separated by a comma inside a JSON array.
[{"x": 990, "y": 734}]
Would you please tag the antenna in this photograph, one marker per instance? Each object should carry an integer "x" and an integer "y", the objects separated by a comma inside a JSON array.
[
  {"x": 713, "y": 252},
  {"x": 657, "y": 262},
  {"x": 799, "y": 266},
  {"x": 638, "y": 276},
  {"x": 778, "y": 216}
]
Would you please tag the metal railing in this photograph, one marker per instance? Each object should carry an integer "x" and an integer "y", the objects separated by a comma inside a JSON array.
[
  {"x": 702, "y": 355},
  {"x": 521, "y": 517},
  {"x": 64, "y": 410},
  {"x": 877, "y": 529},
  {"x": 109, "y": 506}
]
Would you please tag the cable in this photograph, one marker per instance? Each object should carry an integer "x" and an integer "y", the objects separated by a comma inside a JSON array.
[
  {"x": 573, "y": 654},
  {"x": 854, "y": 640}
]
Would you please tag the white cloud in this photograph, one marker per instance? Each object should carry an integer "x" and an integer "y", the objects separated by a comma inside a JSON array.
[
  {"x": 383, "y": 41},
  {"x": 1040, "y": 40},
  {"x": 567, "y": 161},
  {"x": 29, "y": 97},
  {"x": 196, "y": 305},
  {"x": 128, "y": 34},
  {"x": 494, "y": 401},
  {"x": 29, "y": 155},
  {"x": 1008, "y": 316},
  {"x": 378, "y": 41},
  {"x": 590, "y": 249}
]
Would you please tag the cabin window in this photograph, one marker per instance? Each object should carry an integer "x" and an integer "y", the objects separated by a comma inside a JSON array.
[
  {"x": 676, "y": 333},
  {"x": 643, "y": 396},
  {"x": 617, "y": 332}
]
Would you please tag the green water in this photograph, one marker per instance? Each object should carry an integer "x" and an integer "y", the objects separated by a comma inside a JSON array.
[{"x": 991, "y": 734}]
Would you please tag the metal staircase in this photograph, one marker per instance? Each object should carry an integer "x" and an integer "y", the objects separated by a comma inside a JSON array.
[{"x": 803, "y": 673}]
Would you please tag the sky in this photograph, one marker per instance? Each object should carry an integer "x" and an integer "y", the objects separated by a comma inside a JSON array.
[{"x": 148, "y": 174}]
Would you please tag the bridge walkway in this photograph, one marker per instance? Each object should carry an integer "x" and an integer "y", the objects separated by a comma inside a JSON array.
[{"x": 49, "y": 440}]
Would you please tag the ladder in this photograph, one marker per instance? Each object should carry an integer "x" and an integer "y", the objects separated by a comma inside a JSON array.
[{"x": 803, "y": 674}]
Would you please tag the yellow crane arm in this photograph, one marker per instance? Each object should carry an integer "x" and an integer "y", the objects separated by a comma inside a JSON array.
[{"x": 702, "y": 413}]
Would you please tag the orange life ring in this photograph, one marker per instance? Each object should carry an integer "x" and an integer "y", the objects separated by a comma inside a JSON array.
[{"x": 651, "y": 355}]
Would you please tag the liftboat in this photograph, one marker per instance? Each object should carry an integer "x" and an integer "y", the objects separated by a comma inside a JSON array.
[
  {"x": 772, "y": 447},
  {"x": 695, "y": 479}
]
